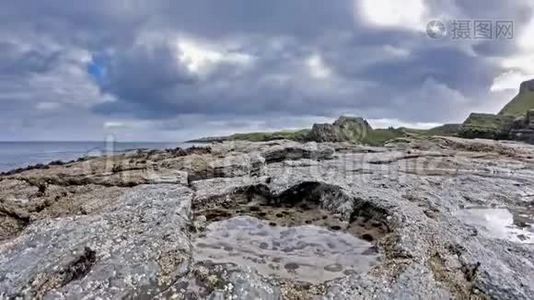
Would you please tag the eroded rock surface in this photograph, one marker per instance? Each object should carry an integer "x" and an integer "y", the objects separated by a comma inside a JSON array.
[
  {"x": 434, "y": 218},
  {"x": 344, "y": 129},
  {"x": 138, "y": 247}
]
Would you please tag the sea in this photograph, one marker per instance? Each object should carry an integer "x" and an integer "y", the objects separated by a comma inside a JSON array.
[{"x": 15, "y": 155}]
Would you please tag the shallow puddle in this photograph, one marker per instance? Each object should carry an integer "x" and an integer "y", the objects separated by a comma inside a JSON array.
[
  {"x": 307, "y": 253},
  {"x": 501, "y": 223}
]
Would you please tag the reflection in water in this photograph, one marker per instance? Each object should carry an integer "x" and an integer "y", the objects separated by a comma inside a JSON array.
[
  {"x": 304, "y": 253},
  {"x": 501, "y": 223}
]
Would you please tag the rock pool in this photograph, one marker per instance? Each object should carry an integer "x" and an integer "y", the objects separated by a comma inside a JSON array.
[{"x": 307, "y": 253}]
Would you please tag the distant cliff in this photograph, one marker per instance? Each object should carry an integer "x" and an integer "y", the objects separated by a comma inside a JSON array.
[
  {"x": 514, "y": 122},
  {"x": 487, "y": 126},
  {"x": 345, "y": 129},
  {"x": 523, "y": 102}
]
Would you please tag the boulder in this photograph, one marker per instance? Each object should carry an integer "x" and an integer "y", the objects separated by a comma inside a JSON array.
[
  {"x": 352, "y": 129},
  {"x": 344, "y": 129},
  {"x": 324, "y": 133}
]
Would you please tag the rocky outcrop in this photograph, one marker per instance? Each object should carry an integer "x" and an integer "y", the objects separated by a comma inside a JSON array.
[
  {"x": 523, "y": 128},
  {"x": 487, "y": 126},
  {"x": 499, "y": 127},
  {"x": 344, "y": 129},
  {"x": 515, "y": 121},
  {"x": 324, "y": 133},
  {"x": 416, "y": 210},
  {"x": 521, "y": 103},
  {"x": 527, "y": 86}
]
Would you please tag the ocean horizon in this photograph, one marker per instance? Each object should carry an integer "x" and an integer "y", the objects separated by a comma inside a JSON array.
[{"x": 20, "y": 154}]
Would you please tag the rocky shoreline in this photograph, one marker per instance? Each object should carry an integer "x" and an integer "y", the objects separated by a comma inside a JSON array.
[{"x": 162, "y": 224}]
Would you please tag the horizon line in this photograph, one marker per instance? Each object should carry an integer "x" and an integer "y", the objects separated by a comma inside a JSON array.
[{"x": 90, "y": 141}]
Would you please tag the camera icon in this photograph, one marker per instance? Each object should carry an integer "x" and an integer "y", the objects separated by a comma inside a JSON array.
[{"x": 436, "y": 29}]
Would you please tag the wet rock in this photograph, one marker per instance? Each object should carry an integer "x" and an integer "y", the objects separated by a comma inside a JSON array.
[
  {"x": 499, "y": 223},
  {"x": 301, "y": 253}
]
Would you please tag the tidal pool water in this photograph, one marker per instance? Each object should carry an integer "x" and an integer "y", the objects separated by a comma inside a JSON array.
[
  {"x": 501, "y": 223},
  {"x": 307, "y": 253}
]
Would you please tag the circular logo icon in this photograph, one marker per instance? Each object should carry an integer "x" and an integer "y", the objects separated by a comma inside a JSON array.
[{"x": 436, "y": 29}]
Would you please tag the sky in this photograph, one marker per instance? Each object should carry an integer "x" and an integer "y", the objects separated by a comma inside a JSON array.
[{"x": 175, "y": 70}]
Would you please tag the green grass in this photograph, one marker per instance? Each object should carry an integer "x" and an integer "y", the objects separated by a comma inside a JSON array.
[
  {"x": 375, "y": 137},
  {"x": 378, "y": 137},
  {"x": 486, "y": 126},
  {"x": 444, "y": 130},
  {"x": 488, "y": 121},
  {"x": 296, "y": 135},
  {"x": 519, "y": 106}
]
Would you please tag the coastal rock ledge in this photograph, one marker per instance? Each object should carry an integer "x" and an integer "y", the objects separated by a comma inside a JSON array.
[{"x": 432, "y": 218}]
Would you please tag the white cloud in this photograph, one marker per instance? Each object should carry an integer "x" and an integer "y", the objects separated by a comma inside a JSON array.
[
  {"x": 110, "y": 125},
  {"x": 47, "y": 106},
  {"x": 435, "y": 91},
  {"x": 396, "y": 51},
  {"x": 384, "y": 123},
  {"x": 317, "y": 67},
  {"x": 526, "y": 37},
  {"x": 65, "y": 82},
  {"x": 509, "y": 80},
  {"x": 522, "y": 61},
  {"x": 432, "y": 101},
  {"x": 284, "y": 77},
  {"x": 520, "y": 66},
  {"x": 202, "y": 58},
  {"x": 406, "y": 14}
]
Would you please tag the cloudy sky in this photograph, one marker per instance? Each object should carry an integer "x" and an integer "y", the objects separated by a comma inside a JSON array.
[{"x": 173, "y": 70}]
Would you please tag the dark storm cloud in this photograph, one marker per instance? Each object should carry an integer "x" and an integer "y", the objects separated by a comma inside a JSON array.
[
  {"x": 145, "y": 81},
  {"x": 155, "y": 74},
  {"x": 135, "y": 78},
  {"x": 495, "y": 10},
  {"x": 519, "y": 13},
  {"x": 454, "y": 67},
  {"x": 301, "y": 58}
]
